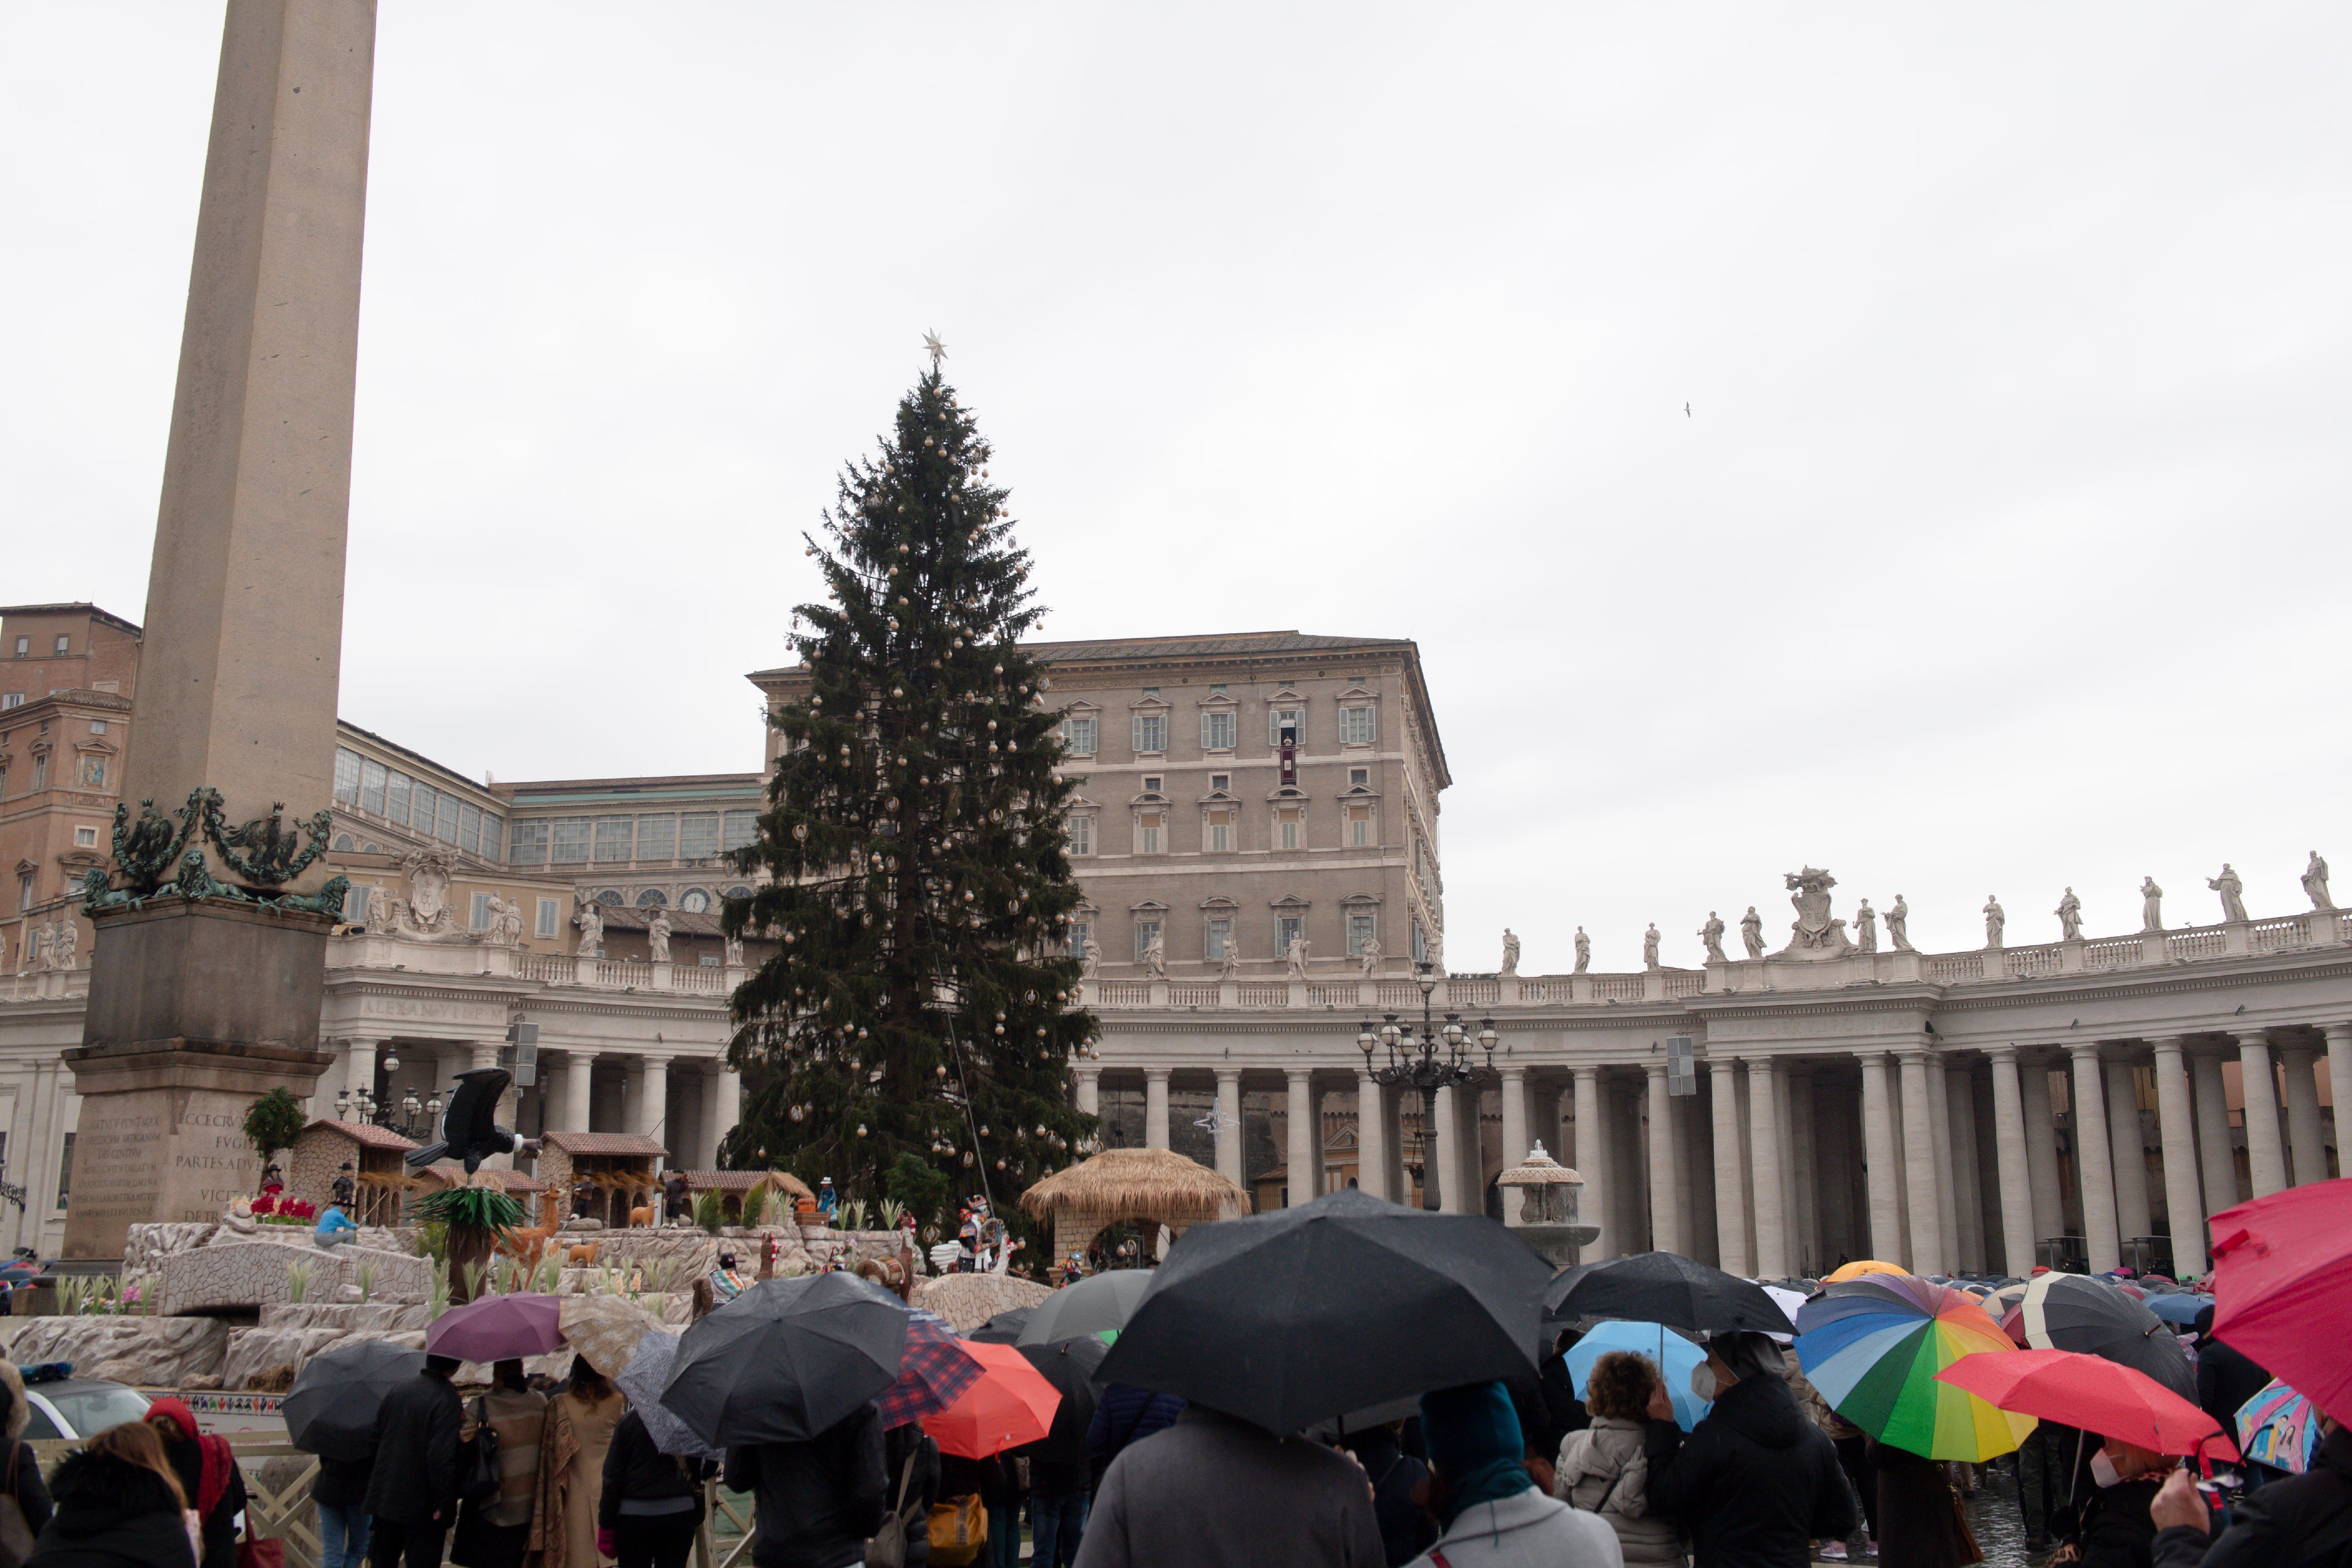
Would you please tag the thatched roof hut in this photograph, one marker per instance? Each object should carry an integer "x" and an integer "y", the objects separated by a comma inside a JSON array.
[{"x": 1120, "y": 1185}]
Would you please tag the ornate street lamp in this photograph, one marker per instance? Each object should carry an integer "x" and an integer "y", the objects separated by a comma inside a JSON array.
[{"x": 1434, "y": 1059}]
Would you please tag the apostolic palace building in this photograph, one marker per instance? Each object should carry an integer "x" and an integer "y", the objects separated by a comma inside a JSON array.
[{"x": 1257, "y": 835}]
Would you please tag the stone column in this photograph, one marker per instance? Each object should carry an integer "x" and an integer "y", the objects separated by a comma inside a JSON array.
[
  {"x": 722, "y": 1108},
  {"x": 1693, "y": 1200},
  {"x": 359, "y": 1070},
  {"x": 2041, "y": 1150},
  {"x": 1516, "y": 1118},
  {"x": 1305, "y": 1139},
  {"x": 1919, "y": 1163},
  {"x": 649, "y": 1094},
  {"x": 578, "y": 1084},
  {"x": 485, "y": 1053},
  {"x": 2216, "y": 1150},
  {"x": 1880, "y": 1155},
  {"x": 1806, "y": 1238},
  {"x": 2339, "y": 1089},
  {"x": 2265, "y": 1151},
  {"x": 1968, "y": 1180},
  {"x": 2094, "y": 1164},
  {"x": 2183, "y": 1210},
  {"x": 1945, "y": 1165},
  {"x": 1764, "y": 1140},
  {"x": 1591, "y": 1162},
  {"x": 2306, "y": 1136},
  {"x": 1372, "y": 1136},
  {"x": 1668, "y": 1233},
  {"x": 1229, "y": 1125},
  {"x": 1441, "y": 1162},
  {"x": 1731, "y": 1185},
  {"x": 633, "y": 1093},
  {"x": 1471, "y": 1184},
  {"x": 1155, "y": 1107},
  {"x": 2017, "y": 1223},
  {"x": 1088, "y": 1091},
  {"x": 2132, "y": 1212}
]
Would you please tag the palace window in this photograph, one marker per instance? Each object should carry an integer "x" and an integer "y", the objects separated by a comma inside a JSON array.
[
  {"x": 1220, "y": 837},
  {"x": 1220, "y": 937},
  {"x": 1081, "y": 931},
  {"x": 1152, "y": 783},
  {"x": 527, "y": 843},
  {"x": 1357, "y": 725},
  {"x": 657, "y": 836},
  {"x": 469, "y": 829},
  {"x": 347, "y": 776},
  {"x": 40, "y": 772},
  {"x": 1078, "y": 735},
  {"x": 1147, "y": 932},
  {"x": 97, "y": 726},
  {"x": 614, "y": 837},
  {"x": 355, "y": 906},
  {"x": 11, "y": 699},
  {"x": 549, "y": 917},
  {"x": 739, "y": 829},
  {"x": 1218, "y": 731},
  {"x": 1363, "y": 926},
  {"x": 1150, "y": 732},
  {"x": 422, "y": 801},
  {"x": 1288, "y": 826},
  {"x": 24, "y": 647},
  {"x": 87, "y": 839},
  {"x": 481, "y": 912},
  {"x": 1359, "y": 827},
  {"x": 1286, "y": 929},
  {"x": 610, "y": 897},
  {"x": 1149, "y": 827},
  {"x": 653, "y": 898},
  {"x": 492, "y": 829},
  {"x": 1295, "y": 717},
  {"x": 698, "y": 835},
  {"x": 568, "y": 839},
  {"x": 64, "y": 642},
  {"x": 25, "y": 890},
  {"x": 1082, "y": 833},
  {"x": 1359, "y": 778},
  {"x": 445, "y": 819},
  {"x": 1221, "y": 783},
  {"x": 738, "y": 891},
  {"x": 371, "y": 788}
]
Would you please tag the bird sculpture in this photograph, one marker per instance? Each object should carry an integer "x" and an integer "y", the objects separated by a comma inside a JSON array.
[{"x": 468, "y": 1132}]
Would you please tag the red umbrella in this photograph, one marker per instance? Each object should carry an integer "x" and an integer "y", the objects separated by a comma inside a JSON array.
[
  {"x": 2282, "y": 1269},
  {"x": 1011, "y": 1404},
  {"x": 2091, "y": 1393}
]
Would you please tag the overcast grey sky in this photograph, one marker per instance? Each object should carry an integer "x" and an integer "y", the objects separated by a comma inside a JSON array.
[{"x": 1999, "y": 550}]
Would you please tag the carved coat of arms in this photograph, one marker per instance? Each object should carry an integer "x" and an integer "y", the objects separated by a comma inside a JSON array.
[{"x": 1815, "y": 934}]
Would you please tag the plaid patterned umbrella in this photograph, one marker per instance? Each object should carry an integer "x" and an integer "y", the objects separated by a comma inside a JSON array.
[{"x": 933, "y": 1373}]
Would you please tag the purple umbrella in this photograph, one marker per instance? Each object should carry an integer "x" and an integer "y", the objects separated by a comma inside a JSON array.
[{"x": 496, "y": 1328}]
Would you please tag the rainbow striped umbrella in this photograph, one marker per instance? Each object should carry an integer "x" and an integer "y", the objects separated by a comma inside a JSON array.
[{"x": 1873, "y": 1347}]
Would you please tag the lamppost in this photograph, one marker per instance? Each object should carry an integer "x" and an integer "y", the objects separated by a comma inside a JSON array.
[
  {"x": 1435, "y": 1058},
  {"x": 379, "y": 1113}
]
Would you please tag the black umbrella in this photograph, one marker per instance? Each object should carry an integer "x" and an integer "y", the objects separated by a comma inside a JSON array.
[
  {"x": 1004, "y": 1328},
  {"x": 1664, "y": 1288},
  {"x": 1070, "y": 1366},
  {"x": 2074, "y": 1311},
  {"x": 1285, "y": 1318},
  {"x": 786, "y": 1360},
  {"x": 331, "y": 1409}
]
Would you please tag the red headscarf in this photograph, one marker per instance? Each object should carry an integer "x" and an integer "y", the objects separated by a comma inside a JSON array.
[{"x": 219, "y": 1459}]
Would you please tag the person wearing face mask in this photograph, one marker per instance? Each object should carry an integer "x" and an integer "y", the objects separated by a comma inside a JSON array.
[
  {"x": 2302, "y": 1521},
  {"x": 2115, "y": 1530},
  {"x": 1755, "y": 1483}
]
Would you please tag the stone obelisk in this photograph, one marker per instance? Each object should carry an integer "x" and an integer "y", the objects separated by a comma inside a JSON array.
[{"x": 212, "y": 923}]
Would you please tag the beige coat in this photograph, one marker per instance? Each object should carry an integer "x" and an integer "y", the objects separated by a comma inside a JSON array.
[
  {"x": 1605, "y": 1469},
  {"x": 571, "y": 1477}
]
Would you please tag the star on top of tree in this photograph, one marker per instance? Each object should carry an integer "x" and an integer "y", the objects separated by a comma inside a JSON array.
[{"x": 933, "y": 347}]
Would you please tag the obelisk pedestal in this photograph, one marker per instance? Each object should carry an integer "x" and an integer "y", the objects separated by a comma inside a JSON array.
[{"x": 208, "y": 965}]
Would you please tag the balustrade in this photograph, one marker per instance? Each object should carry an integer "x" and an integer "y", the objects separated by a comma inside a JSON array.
[
  {"x": 1685, "y": 982},
  {"x": 2028, "y": 963},
  {"x": 1181, "y": 995},
  {"x": 2278, "y": 936},
  {"x": 1265, "y": 994},
  {"x": 1952, "y": 969},
  {"x": 1617, "y": 988},
  {"x": 1473, "y": 993},
  {"x": 2182, "y": 946},
  {"x": 2123, "y": 953}
]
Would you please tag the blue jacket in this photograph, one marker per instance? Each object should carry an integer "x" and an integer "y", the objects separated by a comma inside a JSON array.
[{"x": 1127, "y": 1415}]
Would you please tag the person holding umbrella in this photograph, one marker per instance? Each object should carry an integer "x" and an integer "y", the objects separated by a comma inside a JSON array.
[
  {"x": 818, "y": 1500},
  {"x": 339, "y": 1493},
  {"x": 330, "y": 1412},
  {"x": 1755, "y": 1482},
  {"x": 2302, "y": 1521},
  {"x": 650, "y": 1502},
  {"x": 412, "y": 1496}
]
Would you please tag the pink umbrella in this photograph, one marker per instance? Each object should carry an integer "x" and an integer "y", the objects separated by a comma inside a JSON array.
[{"x": 496, "y": 1328}]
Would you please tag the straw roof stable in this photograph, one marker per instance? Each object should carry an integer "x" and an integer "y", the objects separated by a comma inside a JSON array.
[
  {"x": 1119, "y": 1185},
  {"x": 968, "y": 1300}
]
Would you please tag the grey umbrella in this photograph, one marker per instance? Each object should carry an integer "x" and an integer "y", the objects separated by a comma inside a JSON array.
[
  {"x": 1070, "y": 1366},
  {"x": 1093, "y": 1307},
  {"x": 1282, "y": 1319},
  {"x": 331, "y": 1409},
  {"x": 1004, "y": 1328},
  {"x": 642, "y": 1380},
  {"x": 786, "y": 1360}
]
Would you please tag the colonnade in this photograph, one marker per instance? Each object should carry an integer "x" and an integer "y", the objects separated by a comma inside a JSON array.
[
  {"x": 1942, "y": 1157},
  {"x": 683, "y": 1100}
]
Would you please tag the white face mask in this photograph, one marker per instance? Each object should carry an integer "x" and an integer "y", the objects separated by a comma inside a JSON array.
[
  {"x": 2103, "y": 1471},
  {"x": 1702, "y": 1383}
]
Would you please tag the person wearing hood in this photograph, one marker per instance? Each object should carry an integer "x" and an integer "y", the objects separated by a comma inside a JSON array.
[
  {"x": 21, "y": 1470},
  {"x": 1487, "y": 1505},
  {"x": 119, "y": 1505},
  {"x": 2116, "y": 1529},
  {"x": 1406, "y": 1529},
  {"x": 1756, "y": 1483},
  {"x": 208, "y": 1474}
]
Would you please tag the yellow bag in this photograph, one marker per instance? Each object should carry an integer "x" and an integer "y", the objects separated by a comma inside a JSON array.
[{"x": 959, "y": 1532}]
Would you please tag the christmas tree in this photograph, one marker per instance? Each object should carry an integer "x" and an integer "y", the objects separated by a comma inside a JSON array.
[{"x": 919, "y": 1000}]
